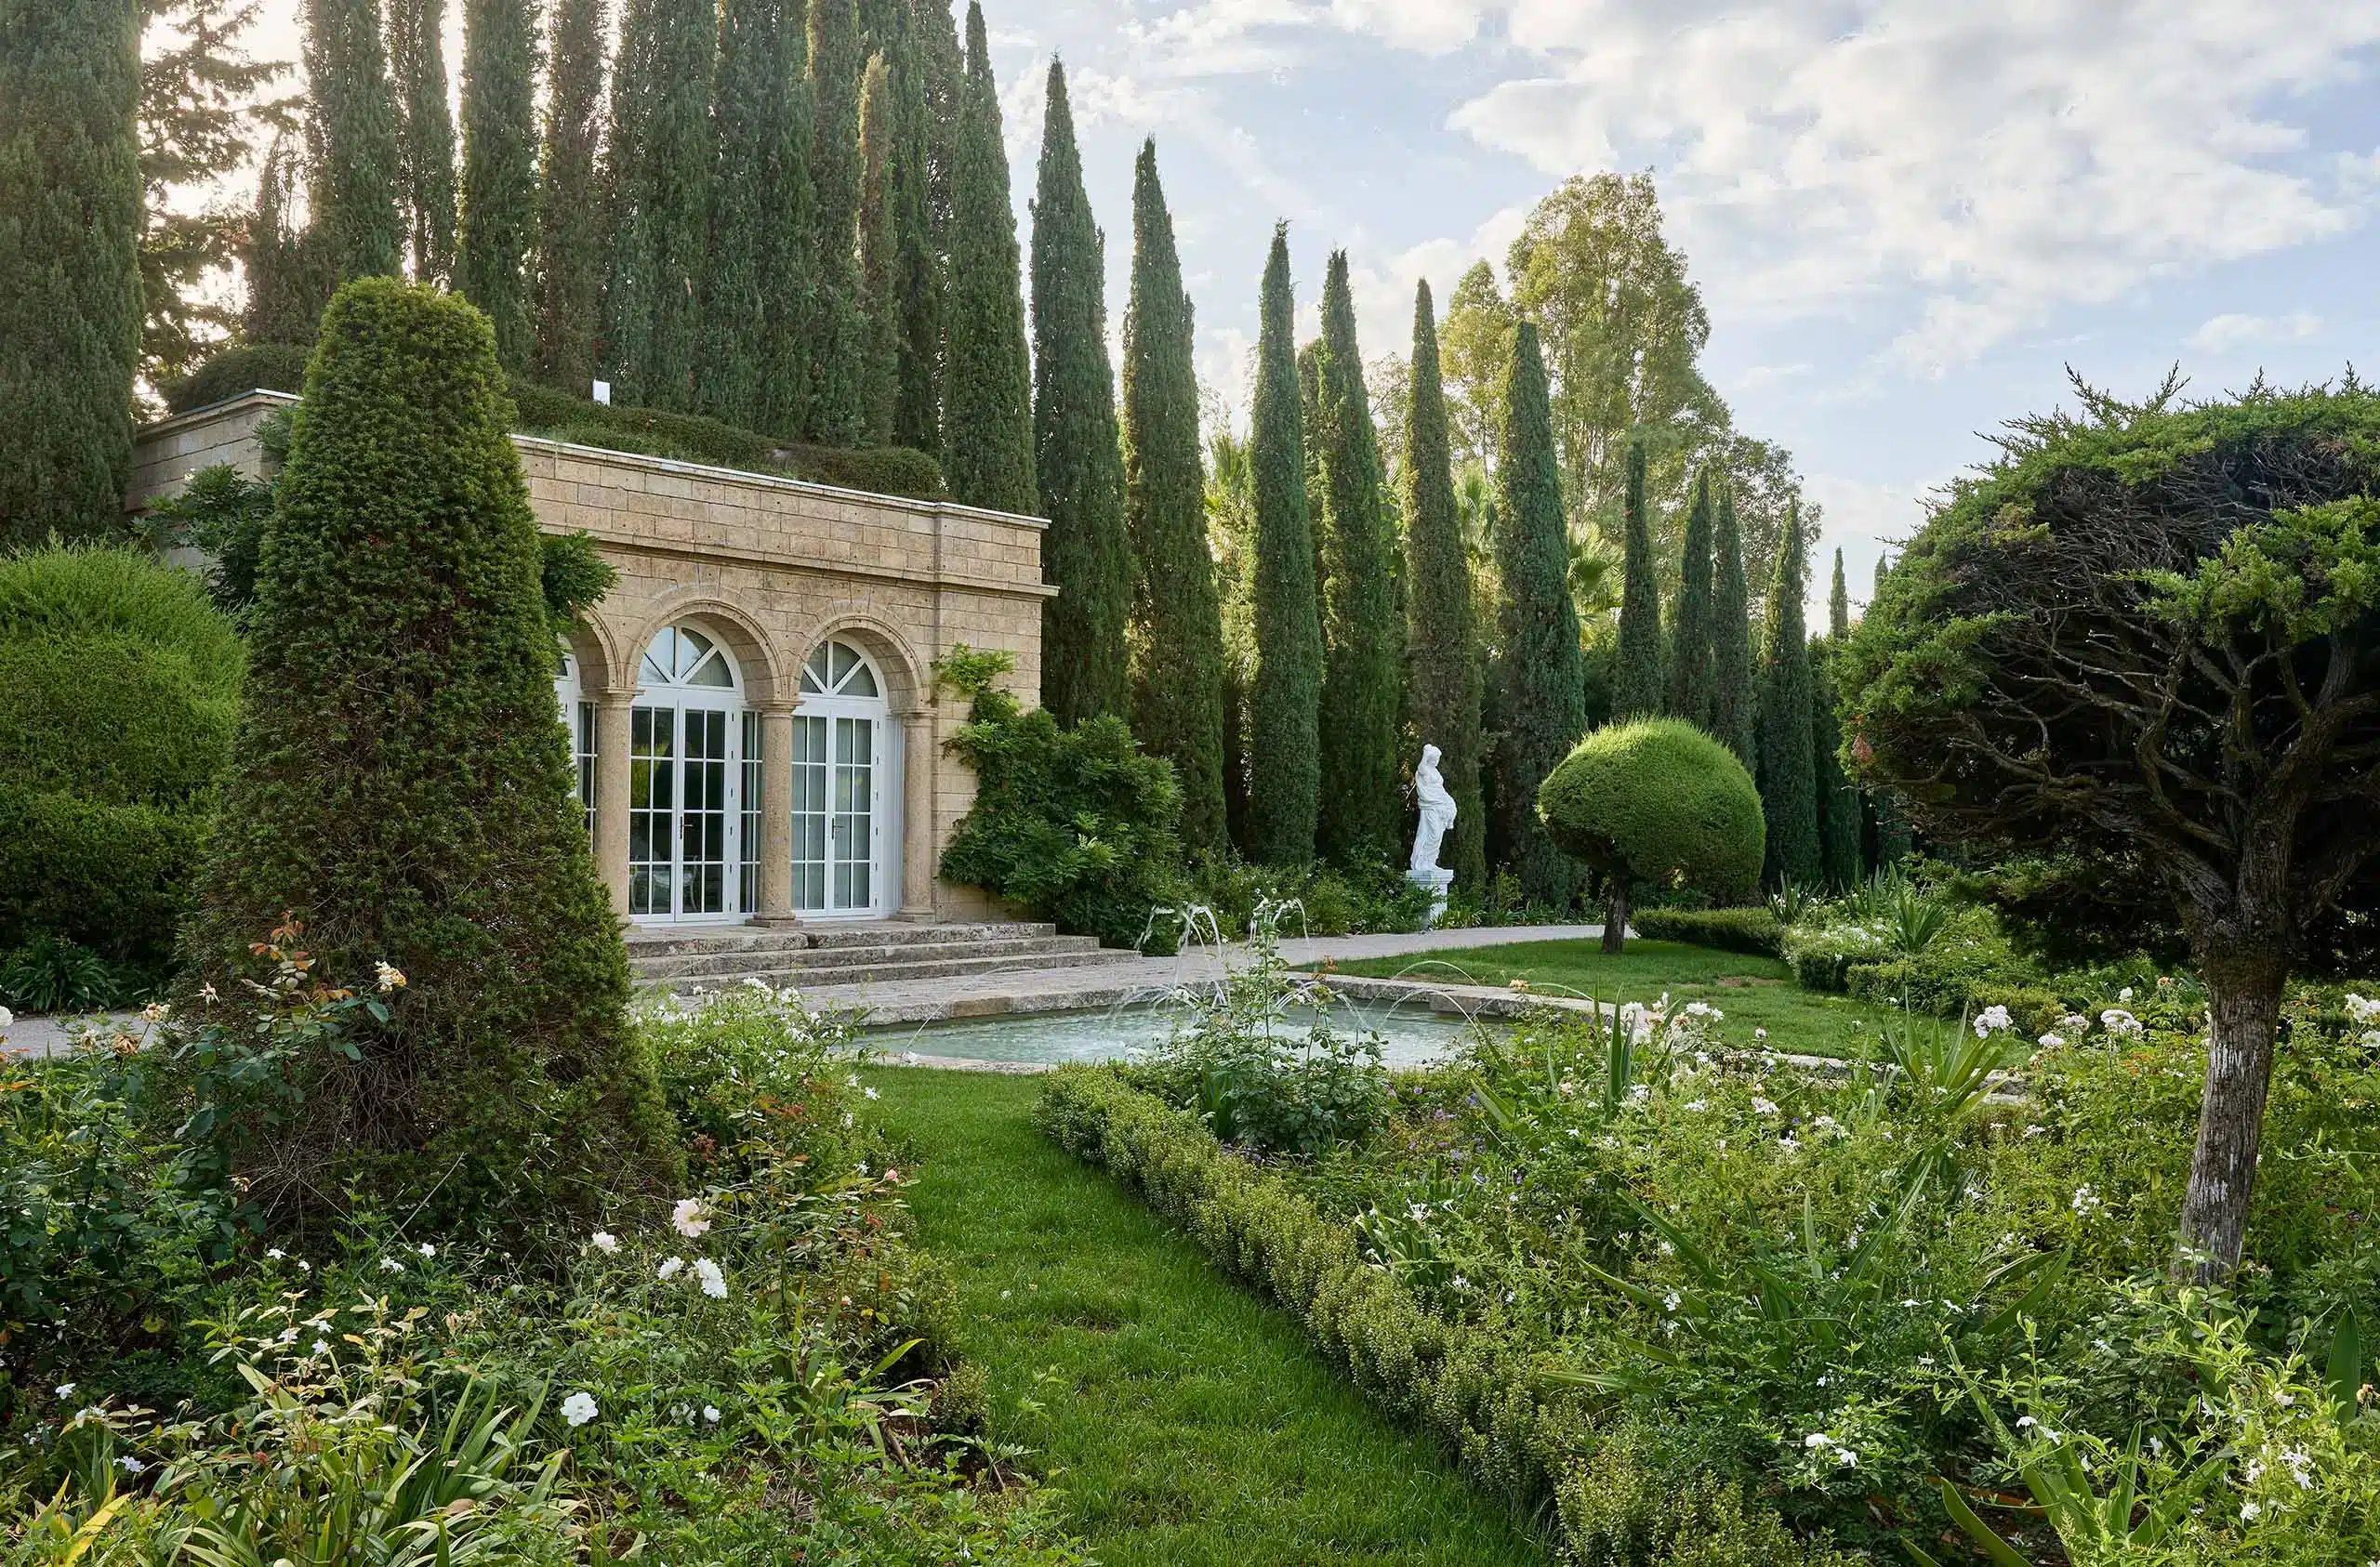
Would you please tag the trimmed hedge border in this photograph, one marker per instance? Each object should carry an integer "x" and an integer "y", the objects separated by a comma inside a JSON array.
[
  {"x": 1753, "y": 931},
  {"x": 1508, "y": 1417}
]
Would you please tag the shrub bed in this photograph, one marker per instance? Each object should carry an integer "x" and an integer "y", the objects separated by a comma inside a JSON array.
[{"x": 1757, "y": 931}]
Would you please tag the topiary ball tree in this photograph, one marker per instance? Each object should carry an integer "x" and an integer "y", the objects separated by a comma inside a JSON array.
[
  {"x": 401, "y": 784},
  {"x": 2148, "y": 637},
  {"x": 1657, "y": 800}
]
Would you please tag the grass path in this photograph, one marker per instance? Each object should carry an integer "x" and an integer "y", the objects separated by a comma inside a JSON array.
[{"x": 1189, "y": 1423}]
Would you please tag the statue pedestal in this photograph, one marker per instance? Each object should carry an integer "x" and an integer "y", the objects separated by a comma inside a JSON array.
[{"x": 1437, "y": 878}]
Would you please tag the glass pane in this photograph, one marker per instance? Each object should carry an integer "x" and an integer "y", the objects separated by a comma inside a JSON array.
[
  {"x": 862, "y": 682},
  {"x": 809, "y": 807},
  {"x": 654, "y": 667},
  {"x": 813, "y": 673},
  {"x": 691, "y": 645},
  {"x": 845, "y": 661},
  {"x": 653, "y": 791},
  {"x": 714, "y": 673},
  {"x": 748, "y": 890}
]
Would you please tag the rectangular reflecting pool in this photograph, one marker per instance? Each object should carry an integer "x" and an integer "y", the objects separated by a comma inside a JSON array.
[{"x": 1409, "y": 1036}]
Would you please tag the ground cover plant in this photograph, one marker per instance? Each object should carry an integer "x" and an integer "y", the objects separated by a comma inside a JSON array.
[
  {"x": 755, "y": 1370},
  {"x": 1642, "y": 1270}
]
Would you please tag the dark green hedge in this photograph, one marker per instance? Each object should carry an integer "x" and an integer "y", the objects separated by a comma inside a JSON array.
[
  {"x": 244, "y": 368},
  {"x": 111, "y": 878},
  {"x": 1753, "y": 931},
  {"x": 1519, "y": 1426},
  {"x": 1661, "y": 800}
]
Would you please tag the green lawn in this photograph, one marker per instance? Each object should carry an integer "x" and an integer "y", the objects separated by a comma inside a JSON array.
[
  {"x": 1752, "y": 992},
  {"x": 1188, "y": 1422}
]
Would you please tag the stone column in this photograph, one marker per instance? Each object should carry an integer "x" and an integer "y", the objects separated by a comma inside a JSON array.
[
  {"x": 917, "y": 815},
  {"x": 611, "y": 732},
  {"x": 776, "y": 816}
]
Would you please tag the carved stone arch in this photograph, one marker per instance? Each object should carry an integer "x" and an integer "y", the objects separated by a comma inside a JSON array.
[
  {"x": 746, "y": 638},
  {"x": 593, "y": 645},
  {"x": 909, "y": 680}
]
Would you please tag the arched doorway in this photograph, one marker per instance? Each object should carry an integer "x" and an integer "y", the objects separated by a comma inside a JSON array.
[
  {"x": 693, "y": 847},
  {"x": 578, "y": 721},
  {"x": 843, "y": 772}
]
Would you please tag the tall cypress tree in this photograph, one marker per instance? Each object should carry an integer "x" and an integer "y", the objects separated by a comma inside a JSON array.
[
  {"x": 426, "y": 133},
  {"x": 70, "y": 267},
  {"x": 1735, "y": 695},
  {"x": 285, "y": 302},
  {"x": 500, "y": 169},
  {"x": 1838, "y": 604},
  {"x": 1442, "y": 693},
  {"x": 1637, "y": 687},
  {"x": 755, "y": 62},
  {"x": 1541, "y": 680},
  {"x": 401, "y": 787},
  {"x": 1362, "y": 639},
  {"x": 1284, "y": 760},
  {"x": 1177, "y": 644},
  {"x": 570, "y": 203},
  {"x": 788, "y": 253},
  {"x": 1788, "y": 788},
  {"x": 1085, "y": 669},
  {"x": 880, "y": 240},
  {"x": 988, "y": 377},
  {"x": 840, "y": 361},
  {"x": 1843, "y": 804},
  {"x": 1691, "y": 689},
  {"x": 659, "y": 182},
  {"x": 917, "y": 260},
  {"x": 357, "y": 167}
]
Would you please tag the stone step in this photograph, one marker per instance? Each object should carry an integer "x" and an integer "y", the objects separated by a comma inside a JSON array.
[
  {"x": 745, "y": 960},
  {"x": 668, "y": 942},
  {"x": 807, "y": 978}
]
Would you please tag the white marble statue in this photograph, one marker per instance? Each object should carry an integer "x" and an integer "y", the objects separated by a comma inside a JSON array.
[{"x": 1438, "y": 815}]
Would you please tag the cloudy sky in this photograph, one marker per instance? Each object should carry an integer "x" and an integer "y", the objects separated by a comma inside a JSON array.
[{"x": 1906, "y": 216}]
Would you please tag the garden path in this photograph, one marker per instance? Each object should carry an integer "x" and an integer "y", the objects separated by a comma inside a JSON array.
[{"x": 1188, "y": 1421}]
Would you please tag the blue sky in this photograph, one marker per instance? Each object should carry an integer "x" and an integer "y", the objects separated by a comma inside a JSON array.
[{"x": 1906, "y": 216}]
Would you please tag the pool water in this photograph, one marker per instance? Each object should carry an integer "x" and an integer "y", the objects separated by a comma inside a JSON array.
[{"x": 1410, "y": 1036}]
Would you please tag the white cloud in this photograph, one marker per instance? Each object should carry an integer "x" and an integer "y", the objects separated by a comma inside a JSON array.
[
  {"x": 2225, "y": 332},
  {"x": 1864, "y": 520},
  {"x": 2006, "y": 160}
]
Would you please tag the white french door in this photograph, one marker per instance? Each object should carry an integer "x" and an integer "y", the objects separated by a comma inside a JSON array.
[
  {"x": 840, "y": 778},
  {"x": 689, "y": 831}
]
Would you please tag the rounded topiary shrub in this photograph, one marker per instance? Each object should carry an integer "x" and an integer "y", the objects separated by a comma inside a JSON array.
[
  {"x": 119, "y": 689},
  {"x": 1657, "y": 800},
  {"x": 401, "y": 787}
]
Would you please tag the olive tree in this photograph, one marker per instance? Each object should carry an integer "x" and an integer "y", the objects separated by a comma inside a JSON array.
[
  {"x": 2148, "y": 632},
  {"x": 1657, "y": 800}
]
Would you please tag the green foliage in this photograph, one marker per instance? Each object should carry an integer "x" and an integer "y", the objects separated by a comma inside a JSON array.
[
  {"x": 284, "y": 271},
  {"x": 1755, "y": 931},
  {"x": 500, "y": 222},
  {"x": 572, "y": 579},
  {"x": 987, "y": 382},
  {"x": 1693, "y": 677},
  {"x": 1442, "y": 693},
  {"x": 241, "y": 367},
  {"x": 1086, "y": 553},
  {"x": 222, "y": 513},
  {"x": 1176, "y": 631},
  {"x": 1074, "y": 825},
  {"x": 356, "y": 171},
  {"x": 570, "y": 258},
  {"x": 52, "y": 973},
  {"x": 760, "y": 234},
  {"x": 660, "y": 155},
  {"x": 880, "y": 274},
  {"x": 1659, "y": 802},
  {"x": 1841, "y": 809},
  {"x": 70, "y": 276},
  {"x": 1363, "y": 643},
  {"x": 1639, "y": 684},
  {"x": 1283, "y": 744},
  {"x": 839, "y": 366},
  {"x": 1620, "y": 1510},
  {"x": 1735, "y": 700},
  {"x": 400, "y": 784},
  {"x": 1540, "y": 694},
  {"x": 1788, "y": 756},
  {"x": 114, "y": 877},
  {"x": 424, "y": 133}
]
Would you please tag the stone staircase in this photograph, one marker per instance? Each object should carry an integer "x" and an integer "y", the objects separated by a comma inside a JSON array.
[{"x": 816, "y": 955}]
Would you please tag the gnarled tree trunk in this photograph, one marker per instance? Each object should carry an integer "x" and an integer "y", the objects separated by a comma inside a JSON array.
[
  {"x": 2244, "y": 994},
  {"x": 1615, "y": 919}
]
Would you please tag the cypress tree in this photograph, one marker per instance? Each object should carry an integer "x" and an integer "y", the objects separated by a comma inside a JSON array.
[
  {"x": 401, "y": 786},
  {"x": 1637, "y": 688},
  {"x": 500, "y": 170},
  {"x": 283, "y": 301},
  {"x": 878, "y": 252},
  {"x": 1177, "y": 647},
  {"x": 1541, "y": 678},
  {"x": 1442, "y": 637},
  {"x": 570, "y": 204},
  {"x": 1841, "y": 809},
  {"x": 757, "y": 52},
  {"x": 1789, "y": 789},
  {"x": 788, "y": 253},
  {"x": 919, "y": 285},
  {"x": 988, "y": 379},
  {"x": 1691, "y": 695},
  {"x": 841, "y": 358},
  {"x": 659, "y": 180},
  {"x": 70, "y": 264},
  {"x": 1362, "y": 639},
  {"x": 357, "y": 167},
  {"x": 426, "y": 133},
  {"x": 1838, "y": 605},
  {"x": 1085, "y": 669},
  {"x": 1735, "y": 700},
  {"x": 1284, "y": 761}
]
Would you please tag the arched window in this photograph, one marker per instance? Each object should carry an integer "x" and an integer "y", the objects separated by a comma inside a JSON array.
[
  {"x": 692, "y": 755},
  {"x": 841, "y": 772}
]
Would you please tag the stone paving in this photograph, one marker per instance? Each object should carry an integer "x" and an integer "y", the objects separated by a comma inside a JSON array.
[{"x": 1046, "y": 990}]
